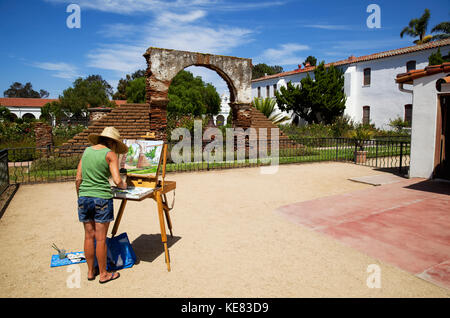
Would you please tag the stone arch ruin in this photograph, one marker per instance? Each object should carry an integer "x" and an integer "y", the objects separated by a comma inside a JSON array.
[
  {"x": 135, "y": 120},
  {"x": 164, "y": 64}
]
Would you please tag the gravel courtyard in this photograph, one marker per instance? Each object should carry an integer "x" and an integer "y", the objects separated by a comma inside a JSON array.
[{"x": 228, "y": 241}]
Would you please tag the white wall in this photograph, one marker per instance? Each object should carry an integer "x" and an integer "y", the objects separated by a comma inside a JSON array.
[
  {"x": 386, "y": 101},
  {"x": 423, "y": 130},
  {"x": 20, "y": 111}
]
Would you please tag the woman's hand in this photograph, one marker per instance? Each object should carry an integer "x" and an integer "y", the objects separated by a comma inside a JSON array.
[
  {"x": 122, "y": 184},
  {"x": 113, "y": 161}
]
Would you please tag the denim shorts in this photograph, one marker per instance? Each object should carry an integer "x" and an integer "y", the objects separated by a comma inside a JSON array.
[{"x": 95, "y": 209}]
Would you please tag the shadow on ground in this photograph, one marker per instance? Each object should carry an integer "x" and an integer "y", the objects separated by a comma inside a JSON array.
[
  {"x": 395, "y": 171},
  {"x": 434, "y": 186},
  {"x": 6, "y": 197},
  {"x": 149, "y": 247}
]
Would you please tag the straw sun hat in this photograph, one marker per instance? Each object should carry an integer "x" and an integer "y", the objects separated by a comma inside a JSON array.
[{"x": 111, "y": 133}]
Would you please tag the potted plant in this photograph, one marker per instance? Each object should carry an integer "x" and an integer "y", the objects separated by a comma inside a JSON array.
[{"x": 360, "y": 135}]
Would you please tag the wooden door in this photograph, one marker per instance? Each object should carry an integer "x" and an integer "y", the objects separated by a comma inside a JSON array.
[{"x": 442, "y": 153}]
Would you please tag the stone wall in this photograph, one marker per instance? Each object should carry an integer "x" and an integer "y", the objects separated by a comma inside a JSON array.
[
  {"x": 132, "y": 121},
  {"x": 44, "y": 135}
]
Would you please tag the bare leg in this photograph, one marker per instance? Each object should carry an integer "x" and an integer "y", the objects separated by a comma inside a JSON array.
[
  {"x": 101, "y": 229},
  {"x": 89, "y": 247}
]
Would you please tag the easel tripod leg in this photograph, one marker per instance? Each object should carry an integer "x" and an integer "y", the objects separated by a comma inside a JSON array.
[
  {"x": 166, "y": 212},
  {"x": 163, "y": 227},
  {"x": 119, "y": 217}
]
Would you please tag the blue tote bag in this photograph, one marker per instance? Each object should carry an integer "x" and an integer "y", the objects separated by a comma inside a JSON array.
[{"x": 120, "y": 253}]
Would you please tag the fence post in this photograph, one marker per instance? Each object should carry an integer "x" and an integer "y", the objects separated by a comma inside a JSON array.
[
  {"x": 376, "y": 153},
  {"x": 337, "y": 148},
  {"x": 401, "y": 156},
  {"x": 4, "y": 184}
]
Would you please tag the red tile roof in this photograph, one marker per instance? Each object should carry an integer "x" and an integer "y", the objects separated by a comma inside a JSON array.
[
  {"x": 36, "y": 102},
  {"x": 407, "y": 78},
  {"x": 364, "y": 58},
  {"x": 25, "y": 102}
]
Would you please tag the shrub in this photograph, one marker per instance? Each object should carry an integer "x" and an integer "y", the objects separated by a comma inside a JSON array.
[
  {"x": 14, "y": 135},
  {"x": 183, "y": 121},
  {"x": 342, "y": 125},
  {"x": 399, "y": 124},
  {"x": 62, "y": 133},
  {"x": 55, "y": 163}
]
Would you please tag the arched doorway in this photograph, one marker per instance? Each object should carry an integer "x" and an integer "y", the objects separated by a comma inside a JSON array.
[
  {"x": 28, "y": 116},
  {"x": 164, "y": 64}
]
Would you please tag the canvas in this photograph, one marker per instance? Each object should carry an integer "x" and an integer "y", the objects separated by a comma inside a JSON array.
[{"x": 143, "y": 156}]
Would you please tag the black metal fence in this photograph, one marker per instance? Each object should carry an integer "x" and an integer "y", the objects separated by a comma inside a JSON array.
[
  {"x": 4, "y": 175},
  {"x": 31, "y": 165}
]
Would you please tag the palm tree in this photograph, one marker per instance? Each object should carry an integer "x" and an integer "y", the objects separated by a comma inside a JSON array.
[
  {"x": 418, "y": 27},
  {"x": 267, "y": 107},
  {"x": 444, "y": 28}
]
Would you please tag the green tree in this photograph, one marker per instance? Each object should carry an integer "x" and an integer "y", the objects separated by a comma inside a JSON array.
[
  {"x": 53, "y": 111},
  {"x": 437, "y": 58},
  {"x": 211, "y": 99},
  {"x": 24, "y": 91},
  {"x": 93, "y": 91},
  {"x": 135, "y": 91},
  {"x": 443, "y": 28},
  {"x": 5, "y": 114},
  {"x": 190, "y": 95},
  {"x": 311, "y": 60},
  {"x": 267, "y": 106},
  {"x": 418, "y": 28},
  {"x": 318, "y": 100},
  {"x": 124, "y": 82},
  {"x": 259, "y": 70}
]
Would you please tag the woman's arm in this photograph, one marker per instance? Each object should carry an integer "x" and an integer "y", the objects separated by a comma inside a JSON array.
[
  {"x": 79, "y": 177},
  {"x": 113, "y": 162}
]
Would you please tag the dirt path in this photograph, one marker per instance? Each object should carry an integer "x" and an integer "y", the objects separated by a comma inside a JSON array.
[{"x": 228, "y": 241}]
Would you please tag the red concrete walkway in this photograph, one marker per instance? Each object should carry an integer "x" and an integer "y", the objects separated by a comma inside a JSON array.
[{"x": 406, "y": 224}]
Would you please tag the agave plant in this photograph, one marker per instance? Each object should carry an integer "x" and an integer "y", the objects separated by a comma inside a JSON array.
[{"x": 267, "y": 107}]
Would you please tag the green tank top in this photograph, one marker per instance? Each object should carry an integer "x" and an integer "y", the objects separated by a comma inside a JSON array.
[{"x": 95, "y": 174}]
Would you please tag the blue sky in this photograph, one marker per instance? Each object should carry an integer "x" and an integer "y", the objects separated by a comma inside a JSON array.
[{"x": 38, "y": 47}]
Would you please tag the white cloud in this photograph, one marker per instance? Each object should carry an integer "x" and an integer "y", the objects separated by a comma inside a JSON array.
[
  {"x": 169, "y": 17},
  {"x": 175, "y": 24},
  {"x": 118, "y": 30},
  {"x": 121, "y": 58},
  {"x": 168, "y": 30},
  {"x": 145, "y": 6},
  {"x": 285, "y": 54},
  {"x": 330, "y": 26},
  {"x": 61, "y": 69}
]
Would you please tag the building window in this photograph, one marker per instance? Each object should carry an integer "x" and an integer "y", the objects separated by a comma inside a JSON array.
[
  {"x": 366, "y": 115},
  {"x": 259, "y": 92},
  {"x": 274, "y": 89},
  {"x": 408, "y": 113},
  {"x": 410, "y": 66},
  {"x": 366, "y": 76},
  {"x": 267, "y": 91}
]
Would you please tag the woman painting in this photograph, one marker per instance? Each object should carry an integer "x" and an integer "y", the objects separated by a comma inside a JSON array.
[{"x": 95, "y": 203}]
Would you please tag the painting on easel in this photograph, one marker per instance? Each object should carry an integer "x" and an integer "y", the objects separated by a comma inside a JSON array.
[{"x": 143, "y": 156}]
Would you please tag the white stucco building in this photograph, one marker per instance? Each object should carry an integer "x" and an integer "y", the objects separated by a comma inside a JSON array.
[
  {"x": 372, "y": 94},
  {"x": 224, "y": 110},
  {"x": 31, "y": 107},
  {"x": 430, "y": 131},
  {"x": 25, "y": 107}
]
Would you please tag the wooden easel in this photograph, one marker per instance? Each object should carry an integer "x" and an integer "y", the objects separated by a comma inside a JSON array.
[{"x": 161, "y": 188}]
